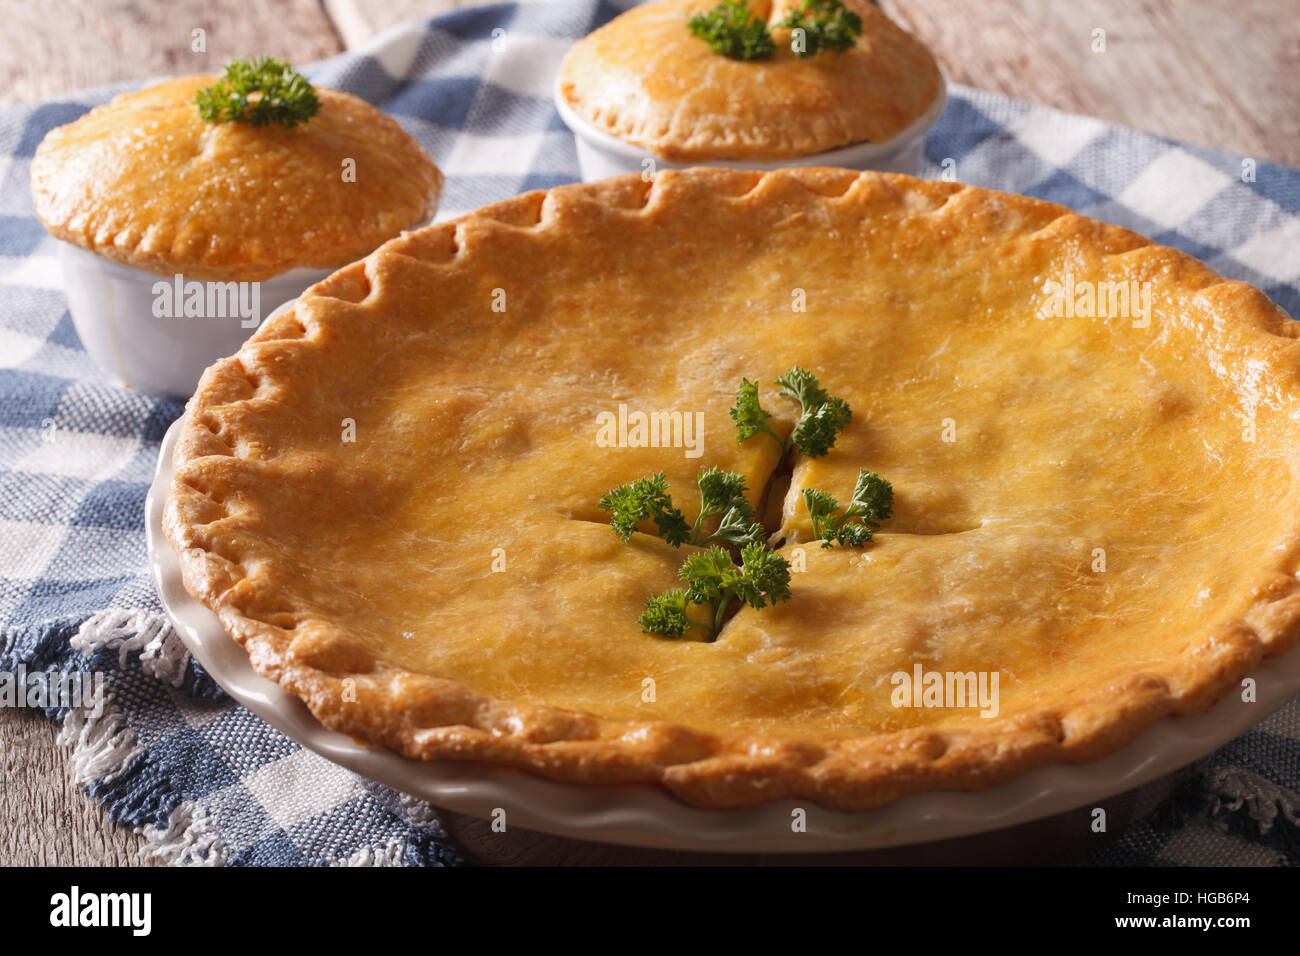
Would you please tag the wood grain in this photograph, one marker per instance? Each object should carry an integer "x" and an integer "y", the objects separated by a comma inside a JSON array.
[
  {"x": 52, "y": 47},
  {"x": 1224, "y": 73},
  {"x": 44, "y": 820}
]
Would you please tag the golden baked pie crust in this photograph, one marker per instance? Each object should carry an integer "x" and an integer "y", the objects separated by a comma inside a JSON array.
[
  {"x": 312, "y": 550},
  {"x": 645, "y": 79},
  {"x": 144, "y": 181}
]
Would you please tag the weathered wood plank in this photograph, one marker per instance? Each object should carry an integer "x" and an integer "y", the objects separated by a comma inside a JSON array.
[
  {"x": 1223, "y": 73},
  {"x": 44, "y": 820},
  {"x": 56, "y": 46}
]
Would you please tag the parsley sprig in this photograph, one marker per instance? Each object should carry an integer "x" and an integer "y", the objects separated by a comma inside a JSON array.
[
  {"x": 872, "y": 503},
  {"x": 645, "y": 499},
  {"x": 826, "y": 25},
  {"x": 722, "y": 497},
  {"x": 821, "y": 418},
  {"x": 732, "y": 29},
  {"x": 712, "y": 578},
  {"x": 727, "y": 523},
  {"x": 258, "y": 91},
  {"x": 714, "y": 582}
]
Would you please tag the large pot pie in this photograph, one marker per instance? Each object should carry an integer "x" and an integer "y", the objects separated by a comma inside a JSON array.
[{"x": 389, "y": 496}]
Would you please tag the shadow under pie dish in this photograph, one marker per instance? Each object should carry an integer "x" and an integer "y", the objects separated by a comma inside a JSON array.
[{"x": 345, "y": 484}]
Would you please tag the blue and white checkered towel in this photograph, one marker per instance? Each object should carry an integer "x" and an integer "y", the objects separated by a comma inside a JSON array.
[{"x": 206, "y": 781}]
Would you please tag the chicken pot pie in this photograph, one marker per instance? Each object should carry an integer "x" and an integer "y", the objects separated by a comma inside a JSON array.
[
  {"x": 645, "y": 78},
  {"x": 147, "y": 182},
  {"x": 389, "y": 495}
]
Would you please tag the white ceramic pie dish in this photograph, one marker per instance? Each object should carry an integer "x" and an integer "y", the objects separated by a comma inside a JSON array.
[
  {"x": 642, "y": 816},
  {"x": 601, "y": 154},
  {"x": 113, "y": 308}
]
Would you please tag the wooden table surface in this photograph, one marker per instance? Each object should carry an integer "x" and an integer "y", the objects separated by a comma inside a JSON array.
[{"x": 1223, "y": 73}]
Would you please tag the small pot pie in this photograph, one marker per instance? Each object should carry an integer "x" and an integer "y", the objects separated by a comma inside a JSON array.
[
  {"x": 647, "y": 80},
  {"x": 146, "y": 182},
  {"x": 389, "y": 496},
  {"x": 144, "y": 187}
]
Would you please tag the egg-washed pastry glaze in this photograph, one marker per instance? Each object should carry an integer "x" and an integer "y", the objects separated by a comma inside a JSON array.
[
  {"x": 389, "y": 494},
  {"x": 644, "y": 78},
  {"x": 144, "y": 181}
]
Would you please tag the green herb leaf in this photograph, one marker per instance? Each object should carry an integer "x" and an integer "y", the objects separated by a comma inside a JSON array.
[
  {"x": 712, "y": 578},
  {"x": 665, "y": 614},
  {"x": 709, "y": 575},
  {"x": 258, "y": 91},
  {"x": 733, "y": 30},
  {"x": 646, "y": 499},
  {"x": 821, "y": 505},
  {"x": 722, "y": 494},
  {"x": 766, "y": 574},
  {"x": 803, "y": 386},
  {"x": 721, "y": 490},
  {"x": 826, "y": 25},
  {"x": 873, "y": 497},
  {"x": 714, "y": 582},
  {"x": 821, "y": 417},
  {"x": 750, "y": 417},
  {"x": 872, "y": 503},
  {"x": 818, "y": 427},
  {"x": 739, "y": 527}
]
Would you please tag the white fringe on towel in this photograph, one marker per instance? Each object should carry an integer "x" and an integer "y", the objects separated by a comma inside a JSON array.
[
  {"x": 104, "y": 746},
  {"x": 391, "y": 853},
  {"x": 162, "y": 653},
  {"x": 1263, "y": 799},
  {"x": 188, "y": 839}
]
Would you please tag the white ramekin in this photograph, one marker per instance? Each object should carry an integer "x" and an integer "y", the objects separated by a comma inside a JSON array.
[
  {"x": 112, "y": 308},
  {"x": 601, "y": 154}
]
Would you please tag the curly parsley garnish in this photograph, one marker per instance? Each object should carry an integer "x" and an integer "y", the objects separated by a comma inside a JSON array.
[
  {"x": 646, "y": 499},
  {"x": 714, "y": 582},
  {"x": 712, "y": 578},
  {"x": 821, "y": 418},
  {"x": 259, "y": 91},
  {"x": 727, "y": 523},
  {"x": 826, "y": 25},
  {"x": 722, "y": 496},
  {"x": 732, "y": 29},
  {"x": 872, "y": 503}
]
